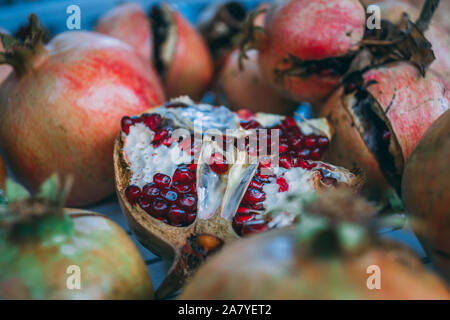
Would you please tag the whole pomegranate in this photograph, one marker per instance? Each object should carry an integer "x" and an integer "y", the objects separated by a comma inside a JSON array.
[
  {"x": 178, "y": 51},
  {"x": 5, "y": 70},
  {"x": 191, "y": 177},
  {"x": 379, "y": 119},
  {"x": 53, "y": 253},
  {"x": 323, "y": 257},
  {"x": 426, "y": 191},
  {"x": 61, "y": 107},
  {"x": 129, "y": 23},
  {"x": 248, "y": 88},
  {"x": 308, "y": 45}
]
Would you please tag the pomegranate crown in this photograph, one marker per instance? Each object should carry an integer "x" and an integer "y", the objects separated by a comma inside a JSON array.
[
  {"x": 22, "y": 213},
  {"x": 19, "y": 53}
]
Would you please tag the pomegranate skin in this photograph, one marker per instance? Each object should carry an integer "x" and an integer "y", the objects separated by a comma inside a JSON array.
[
  {"x": 5, "y": 70},
  {"x": 248, "y": 88},
  {"x": 408, "y": 105},
  {"x": 269, "y": 266},
  {"x": 64, "y": 114},
  {"x": 309, "y": 31},
  {"x": 426, "y": 191},
  {"x": 129, "y": 23},
  {"x": 190, "y": 69}
]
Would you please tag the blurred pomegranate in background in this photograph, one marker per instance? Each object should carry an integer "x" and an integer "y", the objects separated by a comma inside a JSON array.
[
  {"x": 426, "y": 191},
  {"x": 62, "y": 106}
]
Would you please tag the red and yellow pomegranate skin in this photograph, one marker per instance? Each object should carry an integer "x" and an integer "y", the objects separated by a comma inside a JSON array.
[
  {"x": 248, "y": 88},
  {"x": 426, "y": 191},
  {"x": 407, "y": 103},
  {"x": 129, "y": 23},
  {"x": 191, "y": 66},
  {"x": 62, "y": 113},
  {"x": 5, "y": 70},
  {"x": 310, "y": 31}
]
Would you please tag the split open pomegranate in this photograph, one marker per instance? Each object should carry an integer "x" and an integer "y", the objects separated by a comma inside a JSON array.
[{"x": 187, "y": 171}]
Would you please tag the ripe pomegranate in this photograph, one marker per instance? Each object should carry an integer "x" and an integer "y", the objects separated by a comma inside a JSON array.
[
  {"x": 323, "y": 257},
  {"x": 185, "y": 196},
  {"x": 378, "y": 122},
  {"x": 61, "y": 107},
  {"x": 5, "y": 70},
  {"x": 178, "y": 51},
  {"x": 426, "y": 191},
  {"x": 129, "y": 23},
  {"x": 248, "y": 88},
  {"x": 220, "y": 23},
  {"x": 44, "y": 247},
  {"x": 309, "y": 44}
]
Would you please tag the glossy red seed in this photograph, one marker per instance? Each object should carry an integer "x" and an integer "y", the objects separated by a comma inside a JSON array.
[
  {"x": 152, "y": 121},
  {"x": 160, "y": 135},
  {"x": 176, "y": 215},
  {"x": 283, "y": 147},
  {"x": 251, "y": 124},
  {"x": 218, "y": 163},
  {"x": 150, "y": 191},
  {"x": 243, "y": 210},
  {"x": 181, "y": 188},
  {"x": 296, "y": 143},
  {"x": 193, "y": 167},
  {"x": 315, "y": 154},
  {"x": 285, "y": 162},
  {"x": 289, "y": 122},
  {"x": 322, "y": 142},
  {"x": 167, "y": 141},
  {"x": 304, "y": 153},
  {"x": 254, "y": 195},
  {"x": 188, "y": 202},
  {"x": 257, "y": 206},
  {"x": 283, "y": 185},
  {"x": 145, "y": 205},
  {"x": 255, "y": 184},
  {"x": 161, "y": 180},
  {"x": 241, "y": 218},
  {"x": 125, "y": 124},
  {"x": 189, "y": 217},
  {"x": 182, "y": 175},
  {"x": 169, "y": 195},
  {"x": 253, "y": 226},
  {"x": 132, "y": 193},
  {"x": 310, "y": 142},
  {"x": 159, "y": 207},
  {"x": 135, "y": 119}
]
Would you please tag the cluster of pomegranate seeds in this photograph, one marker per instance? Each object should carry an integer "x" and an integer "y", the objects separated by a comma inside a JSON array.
[
  {"x": 172, "y": 200},
  {"x": 218, "y": 163}
]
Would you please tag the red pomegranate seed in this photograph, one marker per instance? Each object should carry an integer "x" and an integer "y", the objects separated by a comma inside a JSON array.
[
  {"x": 167, "y": 141},
  {"x": 254, "y": 196},
  {"x": 135, "y": 119},
  {"x": 241, "y": 218},
  {"x": 161, "y": 134},
  {"x": 189, "y": 217},
  {"x": 296, "y": 143},
  {"x": 150, "y": 191},
  {"x": 181, "y": 188},
  {"x": 182, "y": 175},
  {"x": 283, "y": 148},
  {"x": 322, "y": 142},
  {"x": 145, "y": 205},
  {"x": 243, "y": 210},
  {"x": 262, "y": 178},
  {"x": 193, "y": 167},
  {"x": 125, "y": 124},
  {"x": 284, "y": 186},
  {"x": 176, "y": 215},
  {"x": 159, "y": 207},
  {"x": 256, "y": 206},
  {"x": 188, "y": 202},
  {"x": 161, "y": 180},
  {"x": 218, "y": 163},
  {"x": 255, "y": 184},
  {"x": 285, "y": 162},
  {"x": 310, "y": 142},
  {"x": 289, "y": 122},
  {"x": 315, "y": 154},
  {"x": 132, "y": 193},
  {"x": 169, "y": 195},
  {"x": 152, "y": 121},
  {"x": 304, "y": 153},
  {"x": 253, "y": 226},
  {"x": 251, "y": 124}
]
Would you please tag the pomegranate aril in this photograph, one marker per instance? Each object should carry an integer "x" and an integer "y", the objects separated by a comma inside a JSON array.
[
  {"x": 188, "y": 202},
  {"x": 310, "y": 142},
  {"x": 251, "y": 124},
  {"x": 125, "y": 124},
  {"x": 241, "y": 218},
  {"x": 160, "y": 135},
  {"x": 304, "y": 153},
  {"x": 169, "y": 195},
  {"x": 161, "y": 180},
  {"x": 289, "y": 122},
  {"x": 135, "y": 119},
  {"x": 181, "y": 188},
  {"x": 322, "y": 142},
  {"x": 152, "y": 121},
  {"x": 132, "y": 193},
  {"x": 182, "y": 175},
  {"x": 254, "y": 195},
  {"x": 284, "y": 186},
  {"x": 145, "y": 205},
  {"x": 167, "y": 141},
  {"x": 315, "y": 154},
  {"x": 193, "y": 167},
  {"x": 283, "y": 147},
  {"x": 190, "y": 217},
  {"x": 254, "y": 226},
  {"x": 255, "y": 184},
  {"x": 285, "y": 162},
  {"x": 296, "y": 143},
  {"x": 218, "y": 163},
  {"x": 150, "y": 191},
  {"x": 243, "y": 210},
  {"x": 159, "y": 208},
  {"x": 176, "y": 216}
]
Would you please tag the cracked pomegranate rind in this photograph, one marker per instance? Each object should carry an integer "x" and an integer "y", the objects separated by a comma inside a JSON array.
[{"x": 171, "y": 188}]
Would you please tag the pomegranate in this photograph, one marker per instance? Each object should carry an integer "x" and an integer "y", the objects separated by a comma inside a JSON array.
[
  {"x": 379, "y": 119},
  {"x": 5, "y": 70},
  {"x": 61, "y": 107},
  {"x": 426, "y": 191},
  {"x": 129, "y": 23},
  {"x": 248, "y": 88},
  {"x": 47, "y": 251},
  {"x": 323, "y": 257},
  {"x": 220, "y": 23},
  {"x": 179, "y": 192},
  {"x": 309, "y": 44}
]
